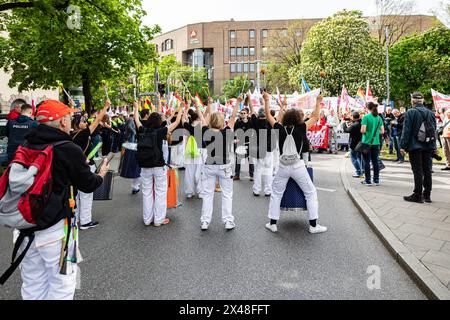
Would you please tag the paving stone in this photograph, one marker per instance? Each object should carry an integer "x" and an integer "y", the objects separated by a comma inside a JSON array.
[
  {"x": 392, "y": 223},
  {"x": 424, "y": 242},
  {"x": 445, "y": 226},
  {"x": 423, "y": 208},
  {"x": 446, "y": 248},
  {"x": 405, "y": 211},
  {"x": 441, "y": 235},
  {"x": 414, "y": 229},
  {"x": 378, "y": 203},
  {"x": 412, "y": 220},
  {"x": 417, "y": 251},
  {"x": 445, "y": 211},
  {"x": 401, "y": 235},
  {"x": 443, "y": 274},
  {"x": 432, "y": 215},
  {"x": 390, "y": 215},
  {"x": 437, "y": 258}
]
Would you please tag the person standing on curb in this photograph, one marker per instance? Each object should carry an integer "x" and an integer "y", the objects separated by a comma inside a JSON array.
[
  {"x": 446, "y": 139},
  {"x": 419, "y": 140}
]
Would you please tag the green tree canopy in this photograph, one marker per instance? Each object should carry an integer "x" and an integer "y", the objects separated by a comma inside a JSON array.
[
  {"x": 233, "y": 88},
  {"x": 421, "y": 62},
  {"x": 43, "y": 47},
  {"x": 342, "y": 46}
]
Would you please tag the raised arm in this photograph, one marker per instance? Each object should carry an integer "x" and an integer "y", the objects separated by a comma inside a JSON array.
[
  {"x": 177, "y": 121},
  {"x": 99, "y": 117},
  {"x": 315, "y": 115},
  {"x": 136, "y": 115},
  {"x": 283, "y": 106},
  {"x": 232, "y": 121},
  {"x": 269, "y": 117}
]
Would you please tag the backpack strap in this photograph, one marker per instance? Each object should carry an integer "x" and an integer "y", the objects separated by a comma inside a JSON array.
[{"x": 29, "y": 233}]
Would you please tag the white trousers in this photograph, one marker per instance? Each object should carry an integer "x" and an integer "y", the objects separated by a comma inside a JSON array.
[
  {"x": 192, "y": 179},
  {"x": 299, "y": 173},
  {"x": 177, "y": 155},
  {"x": 40, "y": 274},
  {"x": 84, "y": 205},
  {"x": 210, "y": 174},
  {"x": 276, "y": 160},
  {"x": 154, "y": 191},
  {"x": 136, "y": 184},
  {"x": 263, "y": 171}
]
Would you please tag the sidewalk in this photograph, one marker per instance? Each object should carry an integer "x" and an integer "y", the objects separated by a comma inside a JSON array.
[{"x": 417, "y": 234}]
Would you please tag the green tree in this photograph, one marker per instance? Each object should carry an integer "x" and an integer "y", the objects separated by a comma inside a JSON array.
[
  {"x": 341, "y": 45},
  {"x": 233, "y": 88},
  {"x": 43, "y": 47},
  {"x": 421, "y": 62}
]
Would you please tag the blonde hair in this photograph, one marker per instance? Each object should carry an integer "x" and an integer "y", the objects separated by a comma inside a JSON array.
[{"x": 217, "y": 121}]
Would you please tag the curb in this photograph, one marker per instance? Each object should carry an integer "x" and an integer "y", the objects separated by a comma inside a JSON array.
[{"x": 424, "y": 279}]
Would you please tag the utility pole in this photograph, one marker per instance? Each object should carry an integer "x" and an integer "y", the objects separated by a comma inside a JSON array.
[{"x": 388, "y": 88}]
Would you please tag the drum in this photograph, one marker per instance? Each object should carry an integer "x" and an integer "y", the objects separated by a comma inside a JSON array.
[
  {"x": 294, "y": 198},
  {"x": 129, "y": 167},
  {"x": 105, "y": 191}
]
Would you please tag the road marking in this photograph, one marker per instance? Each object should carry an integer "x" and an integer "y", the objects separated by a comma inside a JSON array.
[{"x": 326, "y": 190}]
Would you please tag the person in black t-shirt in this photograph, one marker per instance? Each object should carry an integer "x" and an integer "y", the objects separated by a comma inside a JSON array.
[
  {"x": 218, "y": 139},
  {"x": 291, "y": 127},
  {"x": 153, "y": 168},
  {"x": 81, "y": 136},
  {"x": 244, "y": 124}
]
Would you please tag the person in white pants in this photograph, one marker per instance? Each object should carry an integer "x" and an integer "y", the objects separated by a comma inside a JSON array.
[
  {"x": 153, "y": 170},
  {"x": 218, "y": 166},
  {"x": 194, "y": 164},
  {"x": 40, "y": 270},
  {"x": 84, "y": 207},
  {"x": 263, "y": 174},
  {"x": 136, "y": 185},
  {"x": 292, "y": 135}
]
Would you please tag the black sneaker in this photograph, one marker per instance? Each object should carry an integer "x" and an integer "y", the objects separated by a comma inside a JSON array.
[
  {"x": 135, "y": 191},
  {"x": 89, "y": 225},
  {"x": 446, "y": 169},
  {"x": 255, "y": 194},
  {"x": 414, "y": 198},
  {"x": 428, "y": 200},
  {"x": 236, "y": 178}
]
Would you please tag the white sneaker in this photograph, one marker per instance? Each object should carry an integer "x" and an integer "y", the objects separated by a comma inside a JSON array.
[
  {"x": 189, "y": 196},
  {"x": 205, "y": 226},
  {"x": 272, "y": 227},
  {"x": 317, "y": 229},
  {"x": 229, "y": 225}
]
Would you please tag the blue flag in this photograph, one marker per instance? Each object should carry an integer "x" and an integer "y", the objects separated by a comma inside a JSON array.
[{"x": 305, "y": 85}]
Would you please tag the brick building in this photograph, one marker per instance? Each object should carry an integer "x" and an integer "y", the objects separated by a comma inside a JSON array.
[{"x": 232, "y": 48}]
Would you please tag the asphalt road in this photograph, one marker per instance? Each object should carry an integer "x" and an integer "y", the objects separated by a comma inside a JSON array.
[{"x": 126, "y": 260}]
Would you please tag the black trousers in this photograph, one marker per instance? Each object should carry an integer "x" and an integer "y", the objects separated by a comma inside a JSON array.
[{"x": 421, "y": 162}]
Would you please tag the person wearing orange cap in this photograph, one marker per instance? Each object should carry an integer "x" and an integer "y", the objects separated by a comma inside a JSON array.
[{"x": 40, "y": 269}]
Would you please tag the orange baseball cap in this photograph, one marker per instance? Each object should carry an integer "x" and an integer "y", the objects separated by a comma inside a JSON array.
[{"x": 51, "y": 110}]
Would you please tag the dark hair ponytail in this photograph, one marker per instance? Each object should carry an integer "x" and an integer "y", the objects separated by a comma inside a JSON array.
[{"x": 373, "y": 109}]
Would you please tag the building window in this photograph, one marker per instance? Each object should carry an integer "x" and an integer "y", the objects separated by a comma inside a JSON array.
[
  {"x": 232, "y": 52},
  {"x": 264, "y": 33},
  {"x": 232, "y": 67},
  {"x": 156, "y": 48},
  {"x": 239, "y": 51},
  {"x": 264, "y": 51},
  {"x": 245, "y": 67},
  {"x": 251, "y": 34},
  {"x": 245, "y": 51},
  {"x": 232, "y": 34},
  {"x": 252, "y": 67},
  {"x": 167, "y": 45},
  {"x": 239, "y": 67},
  {"x": 163, "y": 47},
  {"x": 252, "y": 51}
]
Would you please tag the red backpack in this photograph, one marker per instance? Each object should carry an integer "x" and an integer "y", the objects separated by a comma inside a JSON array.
[{"x": 25, "y": 189}]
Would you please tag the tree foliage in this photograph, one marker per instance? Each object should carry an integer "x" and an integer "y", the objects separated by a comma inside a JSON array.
[
  {"x": 233, "y": 88},
  {"x": 421, "y": 62},
  {"x": 343, "y": 48},
  {"x": 42, "y": 49}
]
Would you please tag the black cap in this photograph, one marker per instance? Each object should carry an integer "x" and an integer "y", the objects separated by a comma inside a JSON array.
[{"x": 417, "y": 95}]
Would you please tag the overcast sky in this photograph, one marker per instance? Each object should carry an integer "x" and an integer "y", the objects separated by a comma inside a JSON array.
[{"x": 172, "y": 14}]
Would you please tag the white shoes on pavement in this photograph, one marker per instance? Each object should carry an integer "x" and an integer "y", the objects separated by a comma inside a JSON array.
[
  {"x": 317, "y": 229},
  {"x": 205, "y": 226},
  {"x": 229, "y": 225},
  {"x": 272, "y": 227}
]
